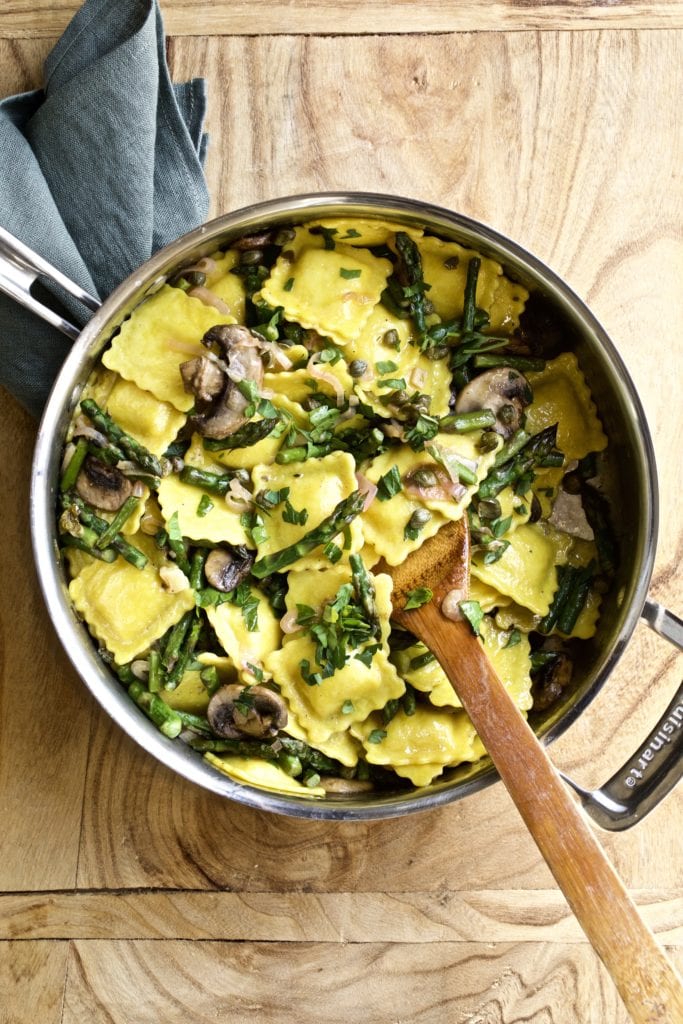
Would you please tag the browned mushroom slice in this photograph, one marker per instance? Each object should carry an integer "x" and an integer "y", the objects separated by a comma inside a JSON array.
[
  {"x": 221, "y": 412},
  {"x": 336, "y": 786},
  {"x": 552, "y": 681},
  {"x": 253, "y": 241},
  {"x": 203, "y": 378},
  {"x": 504, "y": 391},
  {"x": 102, "y": 486},
  {"x": 225, "y": 567},
  {"x": 237, "y": 710}
]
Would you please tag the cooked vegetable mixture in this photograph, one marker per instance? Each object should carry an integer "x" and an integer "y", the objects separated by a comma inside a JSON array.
[{"x": 271, "y": 429}]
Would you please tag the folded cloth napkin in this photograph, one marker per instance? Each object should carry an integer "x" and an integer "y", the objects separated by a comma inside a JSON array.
[{"x": 98, "y": 170}]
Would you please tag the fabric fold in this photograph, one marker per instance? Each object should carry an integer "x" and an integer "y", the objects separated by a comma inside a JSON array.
[{"x": 99, "y": 169}]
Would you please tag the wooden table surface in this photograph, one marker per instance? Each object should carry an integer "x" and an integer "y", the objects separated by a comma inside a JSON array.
[{"x": 128, "y": 895}]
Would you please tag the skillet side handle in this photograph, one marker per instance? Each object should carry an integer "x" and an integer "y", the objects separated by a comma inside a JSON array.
[
  {"x": 19, "y": 269},
  {"x": 657, "y": 765}
]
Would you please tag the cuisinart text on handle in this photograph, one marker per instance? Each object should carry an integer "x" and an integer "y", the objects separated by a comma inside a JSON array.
[{"x": 667, "y": 730}]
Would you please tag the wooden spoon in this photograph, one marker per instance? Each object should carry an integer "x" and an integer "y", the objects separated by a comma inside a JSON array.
[{"x": 645, "y": 978}]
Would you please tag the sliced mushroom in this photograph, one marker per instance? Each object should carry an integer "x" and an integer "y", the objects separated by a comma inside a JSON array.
[
  {"x": 102, "y": 486},
  {"x": 221, "y": 409},
  {"x": 554, "y": 678},
  {"x": 237, "y": 710},
  {"x": 226, "y": 567},
  {"x": 504, "y": 391},
  {"x": 203, "y": 378},
  {"x": 336, "y": 786}
]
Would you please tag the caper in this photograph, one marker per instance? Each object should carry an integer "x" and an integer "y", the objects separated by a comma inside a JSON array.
[
  {"x": 488, "y": 441},
  {"x": 251, "y": 257},
  {"x": 422, "y": 403},
  {"x": 452, "y": 262},
  {"x": 424, "y": 478},
  {"x": 437, "y": 352},
  {"x": 391, "y": 339},
  {"x": 357, "y": 367},
  {"x": 507, "y": 414},
  {"x": 284, "y": 235},
  {"x": 419, "y": 518},
  {"x": 488, "y": 509},
  {"x": 194, "y": 278},
  {"x": 398, "y": 398}
]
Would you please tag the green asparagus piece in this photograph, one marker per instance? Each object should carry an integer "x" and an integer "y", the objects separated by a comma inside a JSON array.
[
  {"x": 118, "y": 522},
  {"x": 512, "y": 447},
  {"x": 464, "y": 422},
  {"x": 415, "y": 292},
  {"x": 215, "y": 483},
  {"x": 86, "y": 542},
  {"x": 344, "y": 513},
  {"x": 154, "y": 665},
  {"x": 365, "y": 592},
  {"x": 135, "y": 451},
  {"x": 73, "y": 468},
  {"x": 245, "y": 437},
  {"x": 525, "y": 364},
  {"x": 209, "y": 677},
  {"x": 197, "y": 567},
  {"x": 88, "y": 517},
  {"x": 177, "y": 544},
  {"x": 187, "y": 649},
  {"x": 165, "y": 718},
  {"x": 574, "y": 604},
  {"x": 195, "y": 722},
  {"x": 470, "y": 305},
  {"x": 597, "y": 513},
  {"x": 535, "y": 452},
  {"x": 175, "y": 641}
]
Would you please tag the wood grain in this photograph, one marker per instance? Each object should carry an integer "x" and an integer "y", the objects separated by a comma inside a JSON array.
[
  {"x": 398, "y": 983},
  {"x": 117, "y": 874},
  {"x": 511, "y": 915},
  {"x": 348, "y": 17},
  {"x": 32, "y": 979}
]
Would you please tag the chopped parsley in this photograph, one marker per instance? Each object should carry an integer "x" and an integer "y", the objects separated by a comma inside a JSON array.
[
  {"x": 472, "y": 611},
  {"x": 377, "y": 735},
  {"x": 386, "y": 366},
  {"x": 348, "y": 275},
  {"x": 288, "y": 285},
  {"x": 389, "y": 484},
  {"x": 204, "y": 507},
  {"x": 417, "y": 597}
]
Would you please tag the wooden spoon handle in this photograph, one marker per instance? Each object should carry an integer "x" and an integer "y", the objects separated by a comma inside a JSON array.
[{"x": 645, "y": 977}]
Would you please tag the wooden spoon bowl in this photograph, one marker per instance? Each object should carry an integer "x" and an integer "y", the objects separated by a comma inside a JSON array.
[{"x": 643, "y": 974}]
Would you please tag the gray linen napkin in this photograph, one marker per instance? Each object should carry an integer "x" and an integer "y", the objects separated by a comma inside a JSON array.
[{"x": 98, "y": 170}]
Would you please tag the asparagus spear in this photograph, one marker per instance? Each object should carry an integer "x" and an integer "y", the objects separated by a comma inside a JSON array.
[
  {"x": 165, "y": 718},
  {"x": 343, "y": 514},
  {"x": 86, "y": 541},
  {"x": 175, "y": 641},
  {"x": 464, "y": 422},
  {"x": 215, "y": 483},
  {"x": 178, "y": 670},
  {"x": 245, "y": 437},
  {"x": 118, "y": 522},
  {"x": 535, "y": 452},
  {"x": 74, "y": 466},
  {"x": 88, "y": 517},
  {"x": 135, "y": 451},
  {"x": 365, "y": 592},
  {"x": 415, "y": 291},
  {"x": 470, "y": 305}
]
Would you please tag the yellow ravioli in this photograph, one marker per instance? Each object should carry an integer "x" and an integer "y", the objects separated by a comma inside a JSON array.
[
  {"x": 428, "y": 737},
  {"x": 153, "y": 423},
  {"x": 385, "y": 522},
  {"x": 562, "y": 396},
  {"x": 220, "y": 524},
  {"x": 364, "y": 231},
  {"x": 332, "y": 291},
  {"x": 320, "y": 709},
  {"x": 189, "y": 695},
  {"x": 526, "y": 571},
  {"x": 163, "y": 332},
  {"x": 262, "y": 774},
  {"x": 127, "y": 609},
  {"x": 502, "y": 299},
  {"x": 243, "y": 646},
  {"x": 317, "y": 486}
]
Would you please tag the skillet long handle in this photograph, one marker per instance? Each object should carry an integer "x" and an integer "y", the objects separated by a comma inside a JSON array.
[
  {"x": 643, "y": 974},
  {"x": 19, "y": 268}
]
